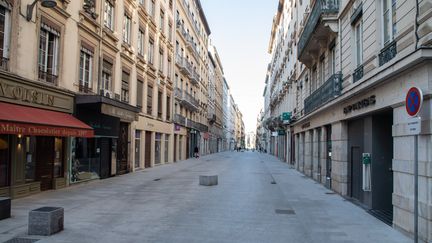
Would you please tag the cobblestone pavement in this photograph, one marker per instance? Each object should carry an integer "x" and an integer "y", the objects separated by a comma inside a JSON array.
[{"x": 166, "y": 204}]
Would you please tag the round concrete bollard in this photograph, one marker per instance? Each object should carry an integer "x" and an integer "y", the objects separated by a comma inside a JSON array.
[{"x": 206, "y": 180}]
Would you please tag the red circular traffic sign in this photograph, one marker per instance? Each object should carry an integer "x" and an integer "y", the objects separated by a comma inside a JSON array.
[{"x": 413, "y": 101}]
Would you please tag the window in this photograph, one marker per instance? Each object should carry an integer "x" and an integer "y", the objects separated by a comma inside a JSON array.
[
  {"x": 322, "y": 69},
  {"x": 162, "y": 21},
  {"x": 152, "y": 8},
  {"x": 167, "y": 137},
  {"x": 89, "y": 7},
  {"x": 168, "y": 108},
  {"x": 109, "y": 15},
  {"x": 140, "y": 88},
  {"x": 358, "y": 37},
  {"x": 332, "y": 60},
  {"x": 151, "y": 51},
  {"x": 161, "y": 60},
  {"x": 314, "y": 79},
  {"x": 169, "y": 68},
  {"x": 137, "y": 148},
  {"x": 126, "y": 29},
  {"x": 149, "y": 99},
  {"x": 141, "y": 42},
  {"x": 48, "y": 53},
  {"x": 158, "y": 138},
  {"x": 106, "y": 75},
  {"x": 5, "y": 151},
  {"x": 125, "y": 87},
  {"x": 159, "y": 104},
  {"x": 170, "y": 34},
  {"x": 5, "y": 27},
  {"x": 389, "y": 20},
  {"x": 85, "y": 70}
]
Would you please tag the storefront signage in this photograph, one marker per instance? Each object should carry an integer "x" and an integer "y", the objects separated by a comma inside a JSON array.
[
  {"x": 281, "y": 132},
  {"x": 361, "y": 104},
  {"x": 274, "y": 134},
  {"x": 413, "y": 101},
  {"x": 39, "y": 130},
  {"x": 24, "y": 94},
  {"x": 119, "y": 112},
  {"x": 286, "y": 117}
]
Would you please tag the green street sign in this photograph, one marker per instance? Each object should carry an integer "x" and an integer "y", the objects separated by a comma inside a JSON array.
[
  {"x": 366, "y": 158},
  {"x": 286, "y": 117},
  {"x": 281, "y": 132}
]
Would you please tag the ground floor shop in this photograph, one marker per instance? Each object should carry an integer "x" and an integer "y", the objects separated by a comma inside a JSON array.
[
  {"x": 36, "y": 134},
  {"x": 109, "y": 153},
  {"x": 363, "y": 150}
]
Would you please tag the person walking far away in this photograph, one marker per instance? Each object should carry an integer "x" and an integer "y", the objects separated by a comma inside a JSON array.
[{"x": 196, "y": 152}]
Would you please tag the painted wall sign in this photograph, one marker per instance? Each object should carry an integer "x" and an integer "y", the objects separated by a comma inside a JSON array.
[
  {"x": 360, "y": 104},
  {"x": 40, "y": 130},
  {"x": 413, "y": 101}
]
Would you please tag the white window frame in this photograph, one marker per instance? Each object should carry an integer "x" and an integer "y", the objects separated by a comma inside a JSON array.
[
  {"x": 391, "y": 26},
  {"x": 7, "y": 30},
  {"x": 109, "y": 15},
  {"x": 358, "y": 43},
  {"x": 48, "y": 30},
  {"x": 141, "y": 37},
  {"x": 127, "y": 26},
  {"x": 86, "y": 56},
  {"x": 107, "y": 77},
  {"x": 150, "y": 50}
]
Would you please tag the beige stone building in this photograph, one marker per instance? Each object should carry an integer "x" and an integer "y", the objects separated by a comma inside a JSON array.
[
  {"x": 191, "y": 79},
  {"x": 354, "y": 62}
]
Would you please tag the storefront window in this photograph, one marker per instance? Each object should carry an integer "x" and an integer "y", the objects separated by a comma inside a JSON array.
[
  {"x": 158, "y": 148},
  {"x": 166, "y": 147},
  {"x": 30, "y": 158},
  {"x": 4, "y": 160},
  {"x": 137, "y": 148},
  {"x": 58, "y": 158},
  {"x": 85, "y": 159},
  {"x": 180, "y": 147}
]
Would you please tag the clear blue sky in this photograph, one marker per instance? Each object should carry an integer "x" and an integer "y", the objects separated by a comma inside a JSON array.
[{"x": 241, "y": 33}]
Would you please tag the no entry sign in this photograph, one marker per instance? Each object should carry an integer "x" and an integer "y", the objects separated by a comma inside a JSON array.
[{"x": 413, "y": 101}]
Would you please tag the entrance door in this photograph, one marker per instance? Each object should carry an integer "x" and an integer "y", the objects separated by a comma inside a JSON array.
[
  {"x": 356, "y": 173},
  {"x": 122, "y": 149},
  {"x": 45, "y": 162},
  {"x": 175, "y": 148},
  {"x": 137, "y": 148},
  {"x": 147, "y": 158},
  {"x": 105, "y": 157},
  {"x": 328, "y": 156}
]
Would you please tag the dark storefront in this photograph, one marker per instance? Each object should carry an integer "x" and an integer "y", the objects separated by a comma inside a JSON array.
[{"x": 107, "y": 153}]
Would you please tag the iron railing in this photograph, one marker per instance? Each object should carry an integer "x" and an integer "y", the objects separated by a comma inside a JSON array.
[
  {"x": 183, "y": 121},
  {"x": 326, "y": 92},
  {"x": 320, "y": 7},
  {"x": 47, "y": 77},
  {"x": 195, "y": 77},
  {"x": 358, "y": 73},
  {"x": 186, "y": 99},
  {"x": 179, "y": 119},
  {"x": 388, "y": 53},
  {"x": 4, "y": 63}
]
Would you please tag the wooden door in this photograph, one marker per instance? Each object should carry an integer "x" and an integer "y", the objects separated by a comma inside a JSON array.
[{"x": 45, "y": 162}]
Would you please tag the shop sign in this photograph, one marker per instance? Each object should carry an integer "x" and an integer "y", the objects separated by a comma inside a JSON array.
[
  {"x": 281, "y": 132},
  {"x": 286, "y": 117},
  {"x": 40, "y": 130},
  {"x": 274, "y": 134},
  {"x": 119, "y": 112},
  {"x": 360, "y": 104}
]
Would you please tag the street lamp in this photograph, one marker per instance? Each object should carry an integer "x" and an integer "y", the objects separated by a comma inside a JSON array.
[{"x": 44, "y": 3}]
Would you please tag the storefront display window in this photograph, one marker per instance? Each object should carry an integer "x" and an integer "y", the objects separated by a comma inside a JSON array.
[
  {"x": 137, "y": 148},
  {"x": 158, "y": 148},
  {"x": 30, "y": 158},
  {"x": 85, "y": 159},
  {"x": 166, "y": 147},
  {"x": 4, "y": 160},
  {"x": 58, "y": 158}
]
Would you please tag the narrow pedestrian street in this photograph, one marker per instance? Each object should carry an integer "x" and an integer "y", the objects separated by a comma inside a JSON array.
[{"x": 258, "y": 199}]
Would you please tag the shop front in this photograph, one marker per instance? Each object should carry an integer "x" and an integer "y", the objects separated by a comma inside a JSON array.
[
  {"x": 36, "y": 130},
  {"x": 180, "y": 134},
  {"x": 108, "y": 153}
]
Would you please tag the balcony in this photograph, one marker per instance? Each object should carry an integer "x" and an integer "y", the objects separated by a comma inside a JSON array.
[
  {"x": 183, "y": 121},
  {"x": 325, "y": 93},
  {"x": 388, "y": 53},
  {"x": 184, "y": 65},
  {"x": 320, "y": 28},
  {"x": 179, "y": 119},
  {"x": 195, "y": 78},
  {"x": 47, "y": 77},
  {"x": 358, "y": 73},
  {"x": 186, "y": 99}
]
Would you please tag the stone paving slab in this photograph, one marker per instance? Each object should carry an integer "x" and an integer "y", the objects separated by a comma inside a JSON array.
[{"x": 166, "y": 204}]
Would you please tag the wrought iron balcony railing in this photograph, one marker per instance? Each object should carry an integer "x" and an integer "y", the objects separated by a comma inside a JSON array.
[
  {"x": 186, "y": 99},
  {"x": 358, "y": 73},
  {"x": 47, "y": 77},
  {"x": 388, "y": 53},
  {"x": 326, "y": 92},
  {"x": 320, "y": 7}
]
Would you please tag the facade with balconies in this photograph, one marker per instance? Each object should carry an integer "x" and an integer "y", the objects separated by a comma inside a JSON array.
[{"x": 356, "y": 61}]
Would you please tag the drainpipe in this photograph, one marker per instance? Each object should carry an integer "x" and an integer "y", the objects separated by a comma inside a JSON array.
[{"x": 416, "y": 25}]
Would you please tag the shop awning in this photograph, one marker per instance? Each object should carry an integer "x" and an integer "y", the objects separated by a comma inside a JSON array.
[{"x": 17, "y": 119}]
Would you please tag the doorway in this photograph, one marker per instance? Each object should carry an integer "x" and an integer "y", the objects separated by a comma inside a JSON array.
[
  {"x": 328, "y": 156},
  {"x": 45, "y": 162},
  {"x": 147, "y": 157},
  {"x": 105, "y": 157},
  {"x": 122, "y": 149}
]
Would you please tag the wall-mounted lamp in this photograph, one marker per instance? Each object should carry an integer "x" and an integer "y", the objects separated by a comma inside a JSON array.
[{"x": 44, "y": 3}]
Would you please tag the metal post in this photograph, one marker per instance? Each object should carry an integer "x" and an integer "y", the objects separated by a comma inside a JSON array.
[{"x": 416, "y": 188}]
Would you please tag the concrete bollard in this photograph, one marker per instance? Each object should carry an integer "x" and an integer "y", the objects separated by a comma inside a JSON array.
[
  {"x": 46, "y": 221},
  {"x": 206, "y": 180},
  {"x": 5, "y": 207}
]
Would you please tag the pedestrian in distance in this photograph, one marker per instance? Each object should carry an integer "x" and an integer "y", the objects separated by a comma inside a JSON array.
[{"x": 196, "y": 152}]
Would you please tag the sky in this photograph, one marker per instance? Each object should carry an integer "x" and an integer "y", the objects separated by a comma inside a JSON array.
[{"x": 240, "y": 30}]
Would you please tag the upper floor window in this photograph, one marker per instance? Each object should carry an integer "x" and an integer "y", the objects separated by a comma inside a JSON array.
[
  {"x": 149, "y": 99},
  {"x": 140, "y": 42},
  {"x": 151, "y": 8},
  {"x": 162, "y": 21},
  {"x": 49, "y": 40},
  {"x": 86, "y": 69},
  {"x": 109, "y": 15},
  {"x": 127, "y": 29},
  {"x": 161, "y": 60},
  {"x": 170, "y": 34},
  {"x": 106, "y": 75},
  {"x": 358, "y": 39},
  {"x": 89, "y": 7},
  {"x": 151, "y": 51},
  {"x": 389, "y": 20},
  {"x": 140, "y": 89},
  {"x": 125, "y": 87},
  {"x": 5, "y": 27}
]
